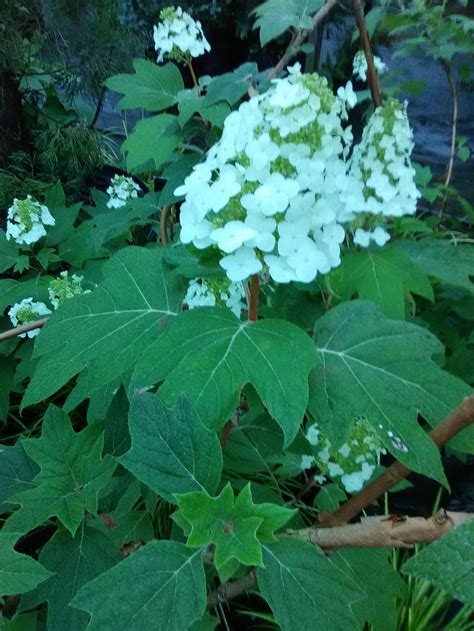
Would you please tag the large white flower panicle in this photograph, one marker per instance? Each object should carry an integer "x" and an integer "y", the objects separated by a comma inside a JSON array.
[
  {"x": 209, "y": 293},
  {"x": 26, "y": 221},
  {"x": 359, "y": 65},
  {"x": 353, "y": 463},
  {"x": 178, "y": 35},
  {"x": 268, "y": 193},
  {"x": 382, "y": 179},
  {"x": 120, "y": 190},
  {"x": 27, "y": 311}
]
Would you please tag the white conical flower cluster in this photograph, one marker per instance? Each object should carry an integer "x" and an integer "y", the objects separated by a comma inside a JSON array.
[
  {"x": 359, "y": 65},
  {"x": 178, "y": 35},
  {"x": 27, "y": 311},
  {"x": 121, "y": 189},
  {"x": 381, "y": 175},
  {"x": 269, "y": 191},
  {"x": 26, "y": 221},
  {"x": 278, "y": 188},
  {"x": 209, "y": 293}
]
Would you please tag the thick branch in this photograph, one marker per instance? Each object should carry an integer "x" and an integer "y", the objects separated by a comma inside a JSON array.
[
  {"x": 371, "y": 532},
  {"x": 295, "y": 45},
  {"x": 24, "y": 328},
  {"x": 440, "y": 435},
  {"x": 383, "y": 532},
  {"x": 364, "y": 38}
]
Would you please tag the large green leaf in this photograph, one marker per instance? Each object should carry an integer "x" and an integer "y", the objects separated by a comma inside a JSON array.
[
  {"x": 305, "y": 590},
  {"x": 161, "y": 586},
  {"x": 74, "y": 561},
  {"x": 152, "y": 87},
  {"x": 12, "y": 291},
  {"x": 72, "y": 473},
  {"x": 447, "y": 261},
  {"x": 17, "y": 471},
  {"x": 64, "y": 215},
  {"x": 171, "y": 449},
  {"x": 109, "y": 328},
  {"x": 209, "y": 355},
  {"x": 236, "y": 526},
  {"x": 274, "y": 17},
  {"x": 9, "y": 252},
  {"x": 18, "y": 573},
  {"x": 382, "y": 369},
  {"x": 383, "y": 276},
  {"x": 153, "y": 140},
  {"x": 448, "y": 563},
  {"x": 231, "y": 86},
  {"x": 373, "y": 572}
]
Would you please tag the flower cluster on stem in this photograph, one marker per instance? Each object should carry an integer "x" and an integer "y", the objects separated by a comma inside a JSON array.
[
  {"x": 121, "y": 189},
  {"x": 178, "y": 36},
  {"x": 209, "y": 293},
  {"x": 26, "y": 221},
  {"x": 27, "y": 311}
]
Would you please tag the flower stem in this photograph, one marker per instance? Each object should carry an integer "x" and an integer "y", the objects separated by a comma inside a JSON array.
[
  {"x": 253, "y": 306},
  {"x": 191, "y": 70}
]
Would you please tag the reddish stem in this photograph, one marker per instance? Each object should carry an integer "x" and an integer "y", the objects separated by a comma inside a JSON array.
[{"x": 253, "y": 306}]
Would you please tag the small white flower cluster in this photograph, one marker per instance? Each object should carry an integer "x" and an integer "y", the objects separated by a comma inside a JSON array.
[
  {"x": 270, "y": 189},
  {"x": 364, "y": 237},
  {"x": 121, "y": 189},
  {"x": 178, "y": 35},
  {"x": 26, "y": 219},
  {"x": 27, "y": 311},
  {"x": 63, "y": 288},
  {"x": 209, "y": 293},
  {"x": 381, "y": 174},
  {"x": 359, "y": 65},
  {"x": 353, "y": 463}
]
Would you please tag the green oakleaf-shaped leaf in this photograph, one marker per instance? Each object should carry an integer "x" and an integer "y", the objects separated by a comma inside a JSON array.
[
  {"x": 72, "y": 474},
  {"x": 171, "y": 449},
  {"x": 161, "y": 586},
  {"x": 109, "y": 328},
  {"x": 64, "y": 216},
  {"x": 448, "y": 563},
  {"x": 152, "y": 87},
  {"x": 382, "y": 276},
  {"x": 153, "y": 140},
  {"x": 9, "y": 252},
  {"x": 373, "y": 572},
  {"x": 18, "y": 573},
  {"x": 382, "y": 369},
  {"x": 209, "y": 355},
  {"x": 236, "y": 526},
  {"x": 305, "y": 590},
  {"x": 17, "y": 471},
  {"x": 449, "y": 262},
  {"x": 74, "y": 561},
  {"x": 231, "y": 86},
  {"x": 274, "y": 17}
]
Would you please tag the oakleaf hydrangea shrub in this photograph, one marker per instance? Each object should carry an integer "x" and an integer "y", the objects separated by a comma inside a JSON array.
[{"x": 280, "y": 188}]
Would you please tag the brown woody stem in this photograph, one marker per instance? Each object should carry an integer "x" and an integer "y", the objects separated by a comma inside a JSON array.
[
  {"x": 364, "y": 38},
  {"x": 253, "y": 303},
  {"x": 24, "y": 328},
  {"x": 165, "y": 213},
  {"x": 300, "y": 37}
]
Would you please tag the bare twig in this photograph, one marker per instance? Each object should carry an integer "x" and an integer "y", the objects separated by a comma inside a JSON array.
[
  {"x": 449, "y": 169},
  {"x": 24, "y": 328},
  {"x": 364, "y": 38},
  {"x": 383, "y": 532},
  {"x": 300, "y": 37},
  {"x": 371, "y": 532},
  {"x": 462, "y": 416}
]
